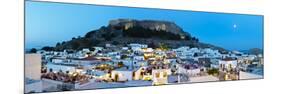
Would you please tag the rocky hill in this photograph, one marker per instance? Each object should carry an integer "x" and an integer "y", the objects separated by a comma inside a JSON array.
[{"x": 120, "y": 32}]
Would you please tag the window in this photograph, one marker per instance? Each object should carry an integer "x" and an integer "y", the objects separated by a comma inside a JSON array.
[
  {"x": 157, "y": 75},
  {"x": 165, "y": 74}
]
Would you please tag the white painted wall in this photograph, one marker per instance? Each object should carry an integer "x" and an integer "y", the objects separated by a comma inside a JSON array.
[
  {"x": 122, "y": 75},
  {"x": 32, "y": 66}
]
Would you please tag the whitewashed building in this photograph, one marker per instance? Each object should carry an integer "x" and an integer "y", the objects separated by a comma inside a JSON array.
[
  {"x": 160, "y": 76},
  {"x": 227, "y": 64},
  {"x": 122, "y": 74}
]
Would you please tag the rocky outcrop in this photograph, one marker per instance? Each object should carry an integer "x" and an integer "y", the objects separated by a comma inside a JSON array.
[
  {"x": 149, "y": 24},
  {"x": 120, "y": 32}
]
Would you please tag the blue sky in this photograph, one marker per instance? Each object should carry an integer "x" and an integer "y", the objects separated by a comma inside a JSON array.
[{"x": 48, "y": 23}]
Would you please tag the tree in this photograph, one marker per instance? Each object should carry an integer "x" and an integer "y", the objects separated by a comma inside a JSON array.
[
  {"x": 164, "y": 46},
  {"x": 213, "y": 71},
  {"x": 33, "y": 50},
  {"x": 193, "y": 38},
  {"x": 58, "y": 44},
  {"x": 255, "y": 51},
  {"x": 107, "y": 37},
  {"x": 197, "y": 40},
  {"x": 90, "y": 34},
  {"x": 62, "y": 43},
  {"x": 195, "y": 54},
  {"x": 79, "y": 37},
  {"x": 75, "y": 45},
  {"x": 47, "y": 48},
  {"x": 151, "y": 45},
  {"x": 92, "y": 49},
  {"x": 115, "y": 42},
  {"x": 124, "y": 56},
  {"x": 187, "y": 37},
  {"x": 120, "y": 64}
]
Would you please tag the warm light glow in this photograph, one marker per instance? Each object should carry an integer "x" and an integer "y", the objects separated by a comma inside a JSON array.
[{"x": 86, "y": 55}]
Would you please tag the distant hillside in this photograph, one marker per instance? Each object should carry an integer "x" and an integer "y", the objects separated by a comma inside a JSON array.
[
  {"x": 120, "y": 32},
  {"x": 253, "y": 51}
]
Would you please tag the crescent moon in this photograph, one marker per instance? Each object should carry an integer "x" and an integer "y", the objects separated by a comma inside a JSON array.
[{"x": 234, "y": 26}]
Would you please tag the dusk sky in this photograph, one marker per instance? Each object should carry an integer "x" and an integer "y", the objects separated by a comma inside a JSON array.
[{"x": 48, "y": 23}]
